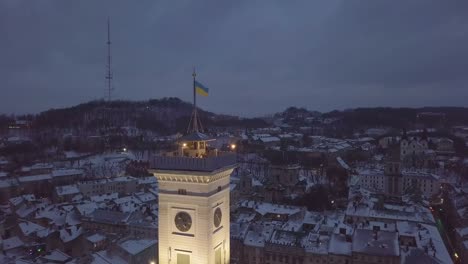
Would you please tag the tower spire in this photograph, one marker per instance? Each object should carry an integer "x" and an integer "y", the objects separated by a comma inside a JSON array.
[{"x": 109, "y": 75}]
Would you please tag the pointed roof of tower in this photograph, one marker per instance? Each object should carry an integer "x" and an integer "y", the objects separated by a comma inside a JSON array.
[{"x": 196, "y": 136}]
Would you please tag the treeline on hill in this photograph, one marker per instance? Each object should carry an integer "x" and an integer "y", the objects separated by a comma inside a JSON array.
[
  {"x": 94, "y": 114},
  {"x": 170, "y": 115},
  {"x": 307, "y": 160},
  {"x": 399, "y": 118},
  {"x": 294, "y": 111},
  {"x": 164, "y": 116},
  {"x": 5, "y": 121}
]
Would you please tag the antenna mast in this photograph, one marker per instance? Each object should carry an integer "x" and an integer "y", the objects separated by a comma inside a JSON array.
[{"x": 109, "y": 74}]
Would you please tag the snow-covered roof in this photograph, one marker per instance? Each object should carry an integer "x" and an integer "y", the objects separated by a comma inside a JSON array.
[
  {"x": 66, "y": 172},
  {"x": 376, "y": 243},
  {"x": 72, "y": 218},
  {"x": 105, "y": 216},
  {"x": 44, "y": 232},
  {"x": 289, "y": 238},
  {"x": 268, "y": 208},
  {"x": 40, "y": 177},
  {"x": 258, "y": 136},
  {"x": 232, "y": 186},
  {"x": 26, "y": 210},
  {"x": 105, "y": 257},
  {"x": 7, "y": 183},
  {"x": 39, "y": 166},
  {"x": 418, "y": 256},
  {"x": 3, "y": 161},
  {"x": 145, "y": 197},
  {"x": 17, "y": 139},
  {"x": 316, "y": 243},
  {"x": 339, "y": 246},
  {"x": 462, "y": 231},
  {"x": 420, "y": 174},
  {"x": 147, "y": 180},
  {"x": 86, "y": 208},
  {"x": 285, "y": 136},
  {"x": 12, "y": 242},
  {"x": 239, "y": 229},
  {"x": 56, "y": 256},
  {"x": 29, "y": 228},
  {"x": 123, "y": 179},
  {"x": 426, "y": 236},
  {"x": 343, "y": 163},
  {"x": 134, "y": 246},
  {"x": 53, "y": 214},
  {"x": 383, "y": 226},
  {"x": 255, "y": 239},
  {"x": 365, "y": 139},
  {"x": 71, "y": 233},
  {"x": 409, "y": 212},
  {"x": 73, "y": 154},
  {"x": 128, "y": 203},
  {"x": 95, "y": 238},
  {"x": 104, "y": 197},
  {"x": 126, "y": 199},
  {"x": 67, "y": 190},
  {"x": 269, "y": 139},
  {"x": 256, "y": 182}
]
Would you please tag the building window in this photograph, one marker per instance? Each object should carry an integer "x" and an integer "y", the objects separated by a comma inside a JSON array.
[{"x": 182, "y": 191}]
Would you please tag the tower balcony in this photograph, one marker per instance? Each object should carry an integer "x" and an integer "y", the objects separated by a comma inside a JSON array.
[{"x": 207, "y": 163}]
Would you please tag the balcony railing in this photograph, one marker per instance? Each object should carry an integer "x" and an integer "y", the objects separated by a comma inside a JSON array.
[{"x": 193, "y": 164}]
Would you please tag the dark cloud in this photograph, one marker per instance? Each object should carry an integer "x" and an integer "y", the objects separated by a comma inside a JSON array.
[{"x": 256, "y": 56}]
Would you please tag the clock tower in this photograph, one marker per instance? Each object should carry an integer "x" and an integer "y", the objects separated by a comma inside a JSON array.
[{"x": 194, "y": 191}]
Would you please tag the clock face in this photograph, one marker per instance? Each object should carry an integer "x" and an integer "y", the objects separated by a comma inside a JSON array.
[
  {"x": 218, "y": 215},
  {"x": 183, "y": 221}
]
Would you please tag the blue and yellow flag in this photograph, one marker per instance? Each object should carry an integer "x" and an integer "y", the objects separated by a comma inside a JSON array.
[{"x": 201, "y": 89}]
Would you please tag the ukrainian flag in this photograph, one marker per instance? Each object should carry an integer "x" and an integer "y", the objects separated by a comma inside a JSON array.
[{"x": 201, "y": 89}]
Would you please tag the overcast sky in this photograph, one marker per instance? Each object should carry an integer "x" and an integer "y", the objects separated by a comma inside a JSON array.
[{"x": 256, "y": 57}]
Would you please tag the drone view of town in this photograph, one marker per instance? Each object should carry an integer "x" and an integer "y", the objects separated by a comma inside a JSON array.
[{"x": 233, "y": 132}]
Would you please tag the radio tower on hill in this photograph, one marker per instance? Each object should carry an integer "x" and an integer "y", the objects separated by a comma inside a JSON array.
[{"x": 108, "y": 66}]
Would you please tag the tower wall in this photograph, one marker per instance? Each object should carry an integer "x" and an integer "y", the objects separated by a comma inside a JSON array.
[{"x": 200, "y": 202}]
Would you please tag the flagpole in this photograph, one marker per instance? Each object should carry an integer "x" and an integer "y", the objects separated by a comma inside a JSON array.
[
  {"x": 194, "y": 94},
  {"x": 195, "y": 117}
]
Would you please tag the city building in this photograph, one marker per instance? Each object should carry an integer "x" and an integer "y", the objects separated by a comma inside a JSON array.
[
  {"x": 194, "y": 201},
  {"x": 121, "y": 185},
  {"x": 395, "y": 181},
  {"x": 136, "y": 251}
]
